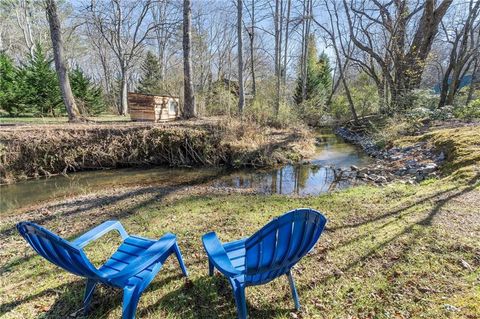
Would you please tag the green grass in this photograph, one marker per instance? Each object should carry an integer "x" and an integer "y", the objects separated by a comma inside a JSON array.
[
  {"x": 391, "y": 252},
  {"x": 104, "y": 118}
]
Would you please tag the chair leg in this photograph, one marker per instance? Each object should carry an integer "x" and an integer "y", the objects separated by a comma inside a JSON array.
[
  {"x": 180, "y": 259},
  {"x": 294, "y": 290},
  {"x": 210, "y": 267},
  {"x": 89, "y": 289},
  {"x": 240, "y": 300},
  {"x": 131, "y": 296}
]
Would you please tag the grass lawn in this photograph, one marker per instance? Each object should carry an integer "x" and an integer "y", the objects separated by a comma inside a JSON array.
[{"x": 401, "y": 251}]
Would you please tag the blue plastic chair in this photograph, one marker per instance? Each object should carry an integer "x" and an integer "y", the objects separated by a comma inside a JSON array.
[
  {"x": 268, "y": 254},
  {"x": 132, "y": 267}
]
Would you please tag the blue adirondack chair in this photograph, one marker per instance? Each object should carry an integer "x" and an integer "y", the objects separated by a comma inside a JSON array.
[
  {"x": 131, "y": 268},
  {"x": 268, "y": 254}
]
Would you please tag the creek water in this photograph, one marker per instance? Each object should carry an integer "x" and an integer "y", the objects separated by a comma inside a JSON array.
[{"x": 319, "y": 176}]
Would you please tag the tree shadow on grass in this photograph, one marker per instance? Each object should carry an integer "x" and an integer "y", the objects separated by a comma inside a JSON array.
[
  {"x": 208, "y": 297},
  {"x": 414, "y": 231},
  {"x": 154, "y": 193}
]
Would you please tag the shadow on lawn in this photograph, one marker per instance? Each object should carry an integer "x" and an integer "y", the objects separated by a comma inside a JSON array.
[
  {"x": 414, "y": 231},
  {"x": 211, "y": 297},
  {"x": 155, "y": 193}
]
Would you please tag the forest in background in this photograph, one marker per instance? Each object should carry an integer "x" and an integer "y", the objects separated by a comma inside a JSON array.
[{"x": 278, "y": 62}]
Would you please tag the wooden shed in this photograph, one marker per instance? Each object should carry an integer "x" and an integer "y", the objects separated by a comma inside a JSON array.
[{"x": 149, "y": 107}]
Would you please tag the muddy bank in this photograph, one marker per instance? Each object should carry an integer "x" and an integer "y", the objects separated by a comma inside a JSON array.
[{"x": 43, "y": 150}]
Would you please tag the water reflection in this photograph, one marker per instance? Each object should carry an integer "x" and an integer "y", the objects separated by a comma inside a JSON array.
[
  {"x": 300, "y": 180},
  {"x": 321, "y": 175}
]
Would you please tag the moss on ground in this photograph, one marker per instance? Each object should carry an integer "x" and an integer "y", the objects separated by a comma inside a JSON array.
[{"x": 400, "y": 251}]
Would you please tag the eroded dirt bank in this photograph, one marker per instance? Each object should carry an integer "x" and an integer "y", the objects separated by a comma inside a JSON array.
[{"x": 43, "y": 150}]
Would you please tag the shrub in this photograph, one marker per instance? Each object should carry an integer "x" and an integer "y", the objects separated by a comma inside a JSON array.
[
  {"x": 219, "y": 101},
  {"x": 421, "y": 99},
  {"x": 469, "y": 111}
]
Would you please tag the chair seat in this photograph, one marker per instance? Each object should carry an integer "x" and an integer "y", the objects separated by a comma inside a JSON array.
[
  {"x": 129, "y": 250},
  {"x": 236, "y": 253}
]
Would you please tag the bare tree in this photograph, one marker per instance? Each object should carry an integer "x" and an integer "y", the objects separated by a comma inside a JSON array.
[
  {"x": 60, "y": 64},
  {"x": 306, "y": 24},
  {"x": 463, "y": 37},
  {"x": 241, "y": 94},
  {"x": 125, "y": 26},
  {"x": 189, "y": 108},
  {"x": 334, "y": 34},
  {"x": 22, "y": 13},
  {"x": 397, "y": 37},
  {"x": 251, "y": 36}
]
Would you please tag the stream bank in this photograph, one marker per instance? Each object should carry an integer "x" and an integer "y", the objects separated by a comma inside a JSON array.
[
  {"x": 45, "y": 150},
  {"x": 409, "y": 162}
]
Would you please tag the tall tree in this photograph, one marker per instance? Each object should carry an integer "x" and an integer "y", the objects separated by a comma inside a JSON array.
[
  {"x": 60, "y": 63},
  {"x": 241, "y": 94},
  {"x": 398, "y": 37},
  {"x": 125, "y": 26},
  {"x": 463, "y": 37},
  {"x": 306, "y": 23},
  {"x": 251, "y": 35},
  {"x": 189, "y": 108},
  {"x": 278, "y": 51}
]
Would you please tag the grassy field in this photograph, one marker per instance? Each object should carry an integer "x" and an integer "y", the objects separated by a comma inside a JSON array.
[{"x": 401, "y": 251}]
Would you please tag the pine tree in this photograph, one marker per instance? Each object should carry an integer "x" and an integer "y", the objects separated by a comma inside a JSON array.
[
  {"x": 151, "y": 80},
  {"x": 10, "y": 82},
  {"x": 88, "y": 96},
  {"x": 319, "y": 76},
  {"x": 325, "y": 74},
  {"x": 41, "y": 91}
]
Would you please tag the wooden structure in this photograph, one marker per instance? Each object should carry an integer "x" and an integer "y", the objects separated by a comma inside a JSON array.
[{"x": 149, "y": 107}]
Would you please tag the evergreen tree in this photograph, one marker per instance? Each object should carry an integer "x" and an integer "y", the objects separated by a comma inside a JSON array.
[
  {"x": 40, "y": 89},
  {"x": 325, "y": 74},
  {"x": 151, "y": 80},
  {"x": 88, "y": 96},
  {"x": 10, "y": 79},
  {"x": 319, "y": 78}
]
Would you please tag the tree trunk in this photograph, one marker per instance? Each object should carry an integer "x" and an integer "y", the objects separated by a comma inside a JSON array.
[
  {"x": 123, "y": 92},
  {"x": 277, "y": 54},
  {"x": 287, "y": 31},
  {"x": 350, "y": 101},
  {"x": 189, "y": 109},
  {"x": 471, "y": 89},
  {"x": 241, "y": 94},
  {"x": 60, "y": 64},
  {"x": 252, "y": 51},
  {"x": 306, "y": 37}
]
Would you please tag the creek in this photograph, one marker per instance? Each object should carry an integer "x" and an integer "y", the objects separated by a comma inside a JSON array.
[{"x": 324, "y": 172}]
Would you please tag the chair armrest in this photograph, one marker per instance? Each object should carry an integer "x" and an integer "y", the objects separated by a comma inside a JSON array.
[
  {"x": 98, "y": 232},
  {"x": 156, "y": 251},
  {"x": 218, "y": 256}
]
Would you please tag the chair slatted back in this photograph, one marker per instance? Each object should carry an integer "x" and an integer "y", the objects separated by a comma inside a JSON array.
[
  {"x": 57, "y": 250},
  {"x": 280, "y": 244}
]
